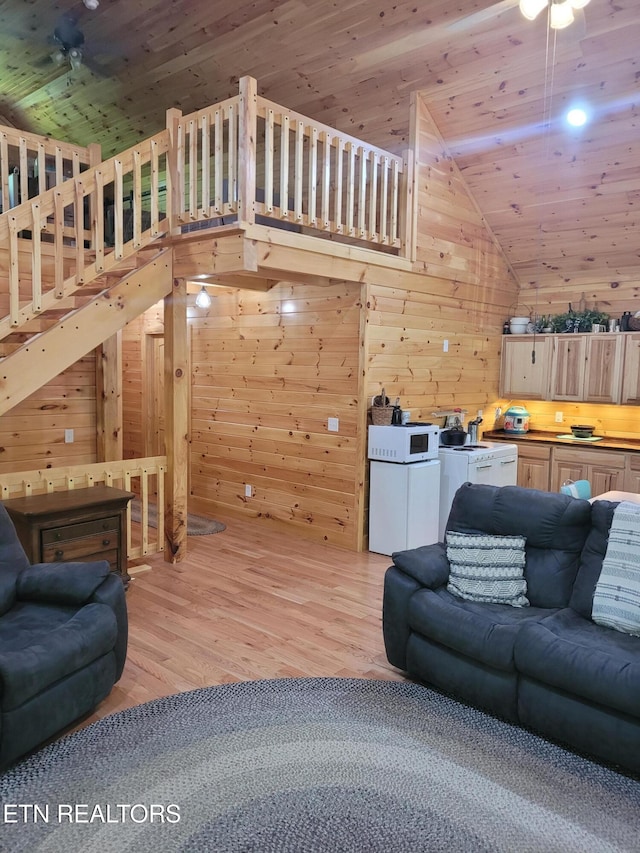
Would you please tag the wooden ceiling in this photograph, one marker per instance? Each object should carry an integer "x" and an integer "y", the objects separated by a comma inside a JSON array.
[{"x": 562, "y": 203}]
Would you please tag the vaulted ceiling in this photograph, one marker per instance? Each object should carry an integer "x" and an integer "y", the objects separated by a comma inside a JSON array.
[{"x": 562, "y": 203}]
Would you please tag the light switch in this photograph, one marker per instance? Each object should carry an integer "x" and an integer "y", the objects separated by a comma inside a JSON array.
[
  {"x": 333, "y": 424},
  {"x": 68, "y": 436}
]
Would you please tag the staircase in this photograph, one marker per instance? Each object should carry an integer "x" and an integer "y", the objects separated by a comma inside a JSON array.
[{"x": 77, "y": 263}]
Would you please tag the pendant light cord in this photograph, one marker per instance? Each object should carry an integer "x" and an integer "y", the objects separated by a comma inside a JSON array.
[{"x": 547, "y": 102}]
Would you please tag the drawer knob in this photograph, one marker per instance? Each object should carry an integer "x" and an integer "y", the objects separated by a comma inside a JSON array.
[
  {"x": 106, "y": 541},
  {"x": 59, "y": 555}
]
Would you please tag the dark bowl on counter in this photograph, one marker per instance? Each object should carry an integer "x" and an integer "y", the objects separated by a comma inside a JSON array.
[
  {"x": 453, "y": 437},
  {"x": 582, "y": 430}
]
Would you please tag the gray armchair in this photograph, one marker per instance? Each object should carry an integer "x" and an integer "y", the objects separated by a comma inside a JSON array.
[{"x": 63, "y": 643}]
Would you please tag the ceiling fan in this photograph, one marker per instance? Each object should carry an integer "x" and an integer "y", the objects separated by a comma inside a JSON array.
[{"x": 69, "y": 41}]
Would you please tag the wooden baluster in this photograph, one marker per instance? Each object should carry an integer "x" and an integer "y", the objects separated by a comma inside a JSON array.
[
  {"x": 14, "y": 272},
  {"x": 23, "y": 156},
  {"x": 351, "y": 173},
  {"x": 205, "y": 167},
  {"x": 337, "y": 204},
  {"x": 118, "y": 193},
  {"x": 98, "y": 221},
  {"x": 313, "y": 176},
  {"x": 193, "y": 169},
  {"x": 137, "y": 198},
  {"x": 78, "y": 225},
  {"x": 36, "y": 257},
  {"x": 58, "y": 242},
  {"x": 384, "y": 201},
  {"x": 155, "y": 188},
  {"x": 268, "y": 162},
  {"x": 362, "y": 191},
  {"x": 284, "y": 166},
  {"x": 218, "y": 161},
  {"x": 4, "y": 171},
  {"x": 394, "y": 201},
  {"x": 326, "y": 180},
  {"x": 298, "y": 171},
  {"x": 232, "y": 159},
  {"x": 373, "y": 197}
]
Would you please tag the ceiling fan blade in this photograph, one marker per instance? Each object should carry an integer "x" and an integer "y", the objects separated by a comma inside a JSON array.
[{"x": 476, "y": 19}]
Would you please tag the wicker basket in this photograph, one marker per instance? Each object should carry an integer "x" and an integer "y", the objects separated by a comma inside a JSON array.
[{"x": 381, "y": 415}]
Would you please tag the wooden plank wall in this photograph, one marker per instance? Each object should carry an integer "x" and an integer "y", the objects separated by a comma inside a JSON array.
[
  {"x": 32, "y": 433},
  {"x": 268, "y": 370},
  {"x": 613, "y": 421},
  {"x": 463, "y": 298}
]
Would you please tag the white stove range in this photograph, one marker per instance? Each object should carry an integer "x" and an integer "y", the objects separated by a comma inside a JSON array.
[{"x": 493, "y": 463}]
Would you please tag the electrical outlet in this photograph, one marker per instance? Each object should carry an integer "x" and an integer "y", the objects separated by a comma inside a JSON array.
[
  {"x": 333, "y": 424},
  {"x": 248, "y": 490},
  {"x": 68, "y": 436},
  {"x": 498, "y": 411},
  {"x": 559, "y": 417},
  {"x": 445, "y": 346}
]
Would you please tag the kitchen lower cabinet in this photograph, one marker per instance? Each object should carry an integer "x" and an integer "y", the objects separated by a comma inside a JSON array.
[
  {"x": 534, "y": 466},
  {"x": 604, "y": 469},
  {"x": 632, "y": 473}
]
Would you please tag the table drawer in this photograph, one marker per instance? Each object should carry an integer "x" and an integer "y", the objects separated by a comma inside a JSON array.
[
  {"x": 79, "y": 530},
  {"x": 78, "y": 549}
]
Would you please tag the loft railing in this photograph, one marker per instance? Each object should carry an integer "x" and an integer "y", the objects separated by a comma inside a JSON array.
[
  {"x": 31, "y": 164},
  {"x": 245, "y": 160},
  {"x": 248, "y": 159},
  {"x": 144, "y": 477}
]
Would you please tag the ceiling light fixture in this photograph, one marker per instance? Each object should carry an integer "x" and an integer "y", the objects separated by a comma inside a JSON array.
[
  {"x": 75, "y": 58},
  {"x": 93, "y": 4},
  {"x": 561, "y": 12},
  {"x": 203, "y": 300}
]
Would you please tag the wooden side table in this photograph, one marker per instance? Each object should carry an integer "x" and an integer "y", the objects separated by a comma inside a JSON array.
[{"x": 81, "y": 525}]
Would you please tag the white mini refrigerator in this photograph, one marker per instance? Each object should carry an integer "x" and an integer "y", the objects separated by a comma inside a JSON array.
[{"x": 404, "y": 501}]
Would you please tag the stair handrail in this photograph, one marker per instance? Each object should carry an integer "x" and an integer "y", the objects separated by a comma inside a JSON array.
[
  {"x": 80, "y": 252},
  {"x": 46, "y": 161}
]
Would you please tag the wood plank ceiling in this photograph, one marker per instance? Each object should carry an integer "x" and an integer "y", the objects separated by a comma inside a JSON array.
[{"x": 562, "y": 203}]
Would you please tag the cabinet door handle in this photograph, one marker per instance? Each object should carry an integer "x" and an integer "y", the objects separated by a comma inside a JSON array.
[
  {"x": 482, "y": 467},
  {"x": 508, "y": 462},
  {"x": 106, "y": 541},
  {"x": 59, "y": 555}
]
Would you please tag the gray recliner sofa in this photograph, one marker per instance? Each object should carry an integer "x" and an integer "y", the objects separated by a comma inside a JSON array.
[
  {"x": 547, "y": 666},
  {"x": 63, "y": 643}
]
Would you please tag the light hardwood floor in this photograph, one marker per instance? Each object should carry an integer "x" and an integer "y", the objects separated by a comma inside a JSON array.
[{"x": 251, "y": 603}]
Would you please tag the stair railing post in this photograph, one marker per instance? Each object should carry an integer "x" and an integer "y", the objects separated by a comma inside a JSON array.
[
  {"x": 94, "y": 214},
  {"x": 175, "y": 171},
  {"x": 247, "y": 134}
]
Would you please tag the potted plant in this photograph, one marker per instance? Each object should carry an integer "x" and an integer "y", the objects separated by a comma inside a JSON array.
[{"x": 578, "y": 321}]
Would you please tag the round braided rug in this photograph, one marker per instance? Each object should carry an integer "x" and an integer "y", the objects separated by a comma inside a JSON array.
[{"x": 315, "y": 765}]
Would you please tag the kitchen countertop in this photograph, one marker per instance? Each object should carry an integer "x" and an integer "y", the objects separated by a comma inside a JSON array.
[{"x": 539, "y": 436}]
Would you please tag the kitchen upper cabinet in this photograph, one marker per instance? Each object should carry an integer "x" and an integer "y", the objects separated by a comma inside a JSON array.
[
  {"x": 603, "y": 368},
  {"x": 534, "y": 466},
  {"x": 520, "y": 375},
  {"x": 631, "y": 377},
  {"x": 605, "y": 469},
  {"x": 568, "y": 367},
  {"x": 585, "y": 368}
]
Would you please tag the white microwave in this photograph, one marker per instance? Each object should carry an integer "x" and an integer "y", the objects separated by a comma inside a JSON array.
[{"x": 404, "y": 443}]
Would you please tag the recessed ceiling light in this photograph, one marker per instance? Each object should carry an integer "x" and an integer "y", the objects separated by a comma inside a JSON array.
[{"x": 577, "y": 117}]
